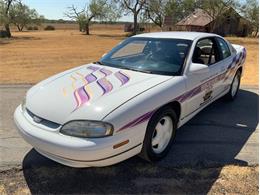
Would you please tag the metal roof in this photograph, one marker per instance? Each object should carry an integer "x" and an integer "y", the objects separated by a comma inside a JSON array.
[{"x": 198, "y": 18}]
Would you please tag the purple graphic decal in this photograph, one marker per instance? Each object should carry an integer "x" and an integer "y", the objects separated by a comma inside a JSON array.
[
  {"x": 187, "y": 95},
  {"x": 138, "y": 120},
  {"x": 90, "y": 78},
  {"x": 105, "y": 85},
  {"x": 122, "y": 77},
  {"x": 94, "y": 68},
  {"x": 105, "y": 71},
  {"x": 81, "y": 95}
]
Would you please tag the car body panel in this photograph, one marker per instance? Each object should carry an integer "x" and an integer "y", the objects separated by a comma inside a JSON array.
[
  {"x": 88, "y": 92},
  {"x": 126, "y": 99}
]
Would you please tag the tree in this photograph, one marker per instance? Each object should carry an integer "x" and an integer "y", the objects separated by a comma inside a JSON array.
[
  {"x": 96, "y": 9},
  {"x": 251, "y": 12},
  {"x": 177, "y": 9},
  {"x": 5, "y": 6},
  {"x": 135, "y": 7},
  {"x": 21, "y": 16},
  {"x": 216, "y": 9},
  {"x": 156, "y": 11}
]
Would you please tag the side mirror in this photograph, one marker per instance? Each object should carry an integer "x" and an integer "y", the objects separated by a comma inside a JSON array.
[
  {"x": 198, "y": 68},
  {"x": 104, "y": 55}
]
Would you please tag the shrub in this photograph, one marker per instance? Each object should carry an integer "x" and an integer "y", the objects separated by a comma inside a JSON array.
[
  {"x": 35, "y": 28},
  {"x": 29, "y": 28},
  {"x": 49, "y": 27}
]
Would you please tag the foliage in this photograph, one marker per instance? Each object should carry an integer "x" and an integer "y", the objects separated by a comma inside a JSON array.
[
  {"x": 156, "y": 11},
  {"x": 32, "y": 28},
  {"x": 96, "y": 9},
  {"x": 132, "y": 6},
  {"x": 21, "y": 16},
  {"x": 250, "y": 10},
  {"x": 217, "y": 8},
  {"x": 5, "y": 6},
  {"x": 49, "y": 27}
]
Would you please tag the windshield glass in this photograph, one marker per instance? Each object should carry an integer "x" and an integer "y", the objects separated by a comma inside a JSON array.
[{"x": 152, "y": 55}]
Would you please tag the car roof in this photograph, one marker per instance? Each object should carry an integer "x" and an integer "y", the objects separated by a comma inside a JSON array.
[{"x": 176, "y": 35}]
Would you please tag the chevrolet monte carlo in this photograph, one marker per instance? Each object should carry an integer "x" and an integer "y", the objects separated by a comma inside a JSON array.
[{"x": 132, "y": 100}]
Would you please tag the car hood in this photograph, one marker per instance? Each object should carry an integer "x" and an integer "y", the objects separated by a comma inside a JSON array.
[{"x": 88, "y": 92}]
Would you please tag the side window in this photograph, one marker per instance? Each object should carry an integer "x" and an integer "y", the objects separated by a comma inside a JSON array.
[
  {"x": 205, "y": 52},
  {"x": 225, "y": 51}
]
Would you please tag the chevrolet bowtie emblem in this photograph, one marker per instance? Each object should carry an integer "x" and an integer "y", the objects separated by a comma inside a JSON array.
[{"x": 37, "y": 119}]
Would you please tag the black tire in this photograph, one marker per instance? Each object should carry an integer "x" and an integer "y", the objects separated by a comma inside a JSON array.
[
  {"x": 229, "y": 96},
  {"x": 147, "y": 152}
]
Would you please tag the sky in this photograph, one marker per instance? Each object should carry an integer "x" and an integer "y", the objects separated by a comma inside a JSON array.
[{"x": 54, "y": 9}]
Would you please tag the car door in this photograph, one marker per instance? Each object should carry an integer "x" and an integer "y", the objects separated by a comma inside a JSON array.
[
  {"x": 204, "y": 87},
  {"x": 226, "y": 62}
]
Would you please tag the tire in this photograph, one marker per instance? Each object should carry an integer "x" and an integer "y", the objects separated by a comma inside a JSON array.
[
  {"x": 163, "y": 120},
  {"x": 234, "y": 88}
]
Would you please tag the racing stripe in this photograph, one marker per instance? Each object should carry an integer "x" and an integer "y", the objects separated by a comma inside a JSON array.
[{"x": 187, "y": 95}]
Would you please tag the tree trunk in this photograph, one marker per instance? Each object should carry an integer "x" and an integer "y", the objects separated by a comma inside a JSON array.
[
  {"x": 135, "y": 24},
  {"x": 87, "y": 29},
  {"x": 7, "y": 28},
  {"x": 18, "y": 27}
]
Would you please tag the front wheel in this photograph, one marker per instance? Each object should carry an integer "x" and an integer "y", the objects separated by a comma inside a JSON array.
[
  {"x": 231, "y": 95},
  {"x": 160, "y": 134}
]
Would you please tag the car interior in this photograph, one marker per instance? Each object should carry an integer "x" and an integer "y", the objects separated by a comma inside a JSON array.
[{"x": 206, "y": 52}]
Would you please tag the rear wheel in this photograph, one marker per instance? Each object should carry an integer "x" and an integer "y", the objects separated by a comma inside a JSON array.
[
  {"x": 160, "y": 134},
  {"x": 231, "y": 95}
]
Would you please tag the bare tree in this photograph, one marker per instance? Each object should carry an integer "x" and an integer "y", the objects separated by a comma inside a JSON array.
[
  {"x": 134, "y": 7},
  {"x": 96, "y": 9}
]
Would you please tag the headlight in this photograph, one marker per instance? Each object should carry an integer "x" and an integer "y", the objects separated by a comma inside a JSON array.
[
  {"x": 23, "y": 104},
  {"x": 87, "y": 129}
]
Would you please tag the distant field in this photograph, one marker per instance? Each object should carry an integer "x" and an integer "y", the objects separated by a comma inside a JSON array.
[{"x": 32, "y": 56}]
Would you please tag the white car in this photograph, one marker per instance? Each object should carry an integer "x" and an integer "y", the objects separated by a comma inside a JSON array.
[{"x": 132, "y": 100}]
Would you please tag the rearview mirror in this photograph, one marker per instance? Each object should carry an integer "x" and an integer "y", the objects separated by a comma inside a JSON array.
[{"x": 198, "y": 68}]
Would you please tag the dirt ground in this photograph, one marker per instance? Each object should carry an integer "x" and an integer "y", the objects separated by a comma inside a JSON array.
[
  {"x": 230, "y": 180},
  {"x": 33, "y": 56}
]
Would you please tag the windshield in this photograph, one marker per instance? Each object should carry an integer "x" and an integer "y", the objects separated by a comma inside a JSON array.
[{"x": 151, "y": 55}]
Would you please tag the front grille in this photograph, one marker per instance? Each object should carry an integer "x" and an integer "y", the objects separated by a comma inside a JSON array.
[{"x": 43, "y": 121}]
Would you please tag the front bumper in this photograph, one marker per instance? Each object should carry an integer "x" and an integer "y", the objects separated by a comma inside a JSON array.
[{"x": 77, "y": 152}]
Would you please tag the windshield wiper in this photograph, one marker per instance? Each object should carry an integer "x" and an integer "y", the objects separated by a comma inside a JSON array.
[
  {"x": 123, "y": 67},
  {"x": 99, "y": 62},
  {"x": 137, "y": 70}
]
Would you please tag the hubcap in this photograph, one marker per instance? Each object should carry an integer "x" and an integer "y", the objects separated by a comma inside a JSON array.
[
  {"x": 162, "y": 134},
  {"x": 235, "y": 85}
]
